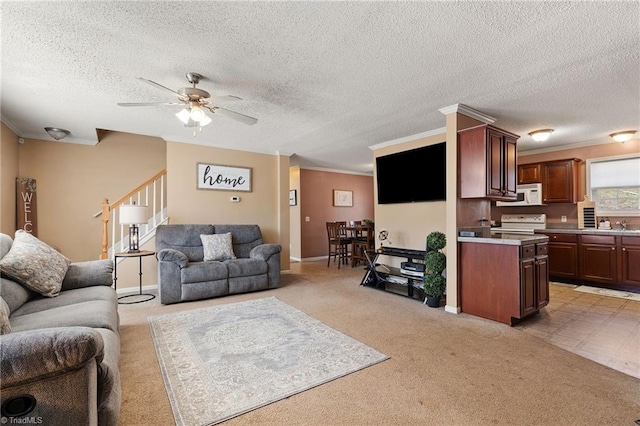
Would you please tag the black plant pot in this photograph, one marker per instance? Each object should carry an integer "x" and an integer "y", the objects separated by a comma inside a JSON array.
[{"x": 433, "y": 301}]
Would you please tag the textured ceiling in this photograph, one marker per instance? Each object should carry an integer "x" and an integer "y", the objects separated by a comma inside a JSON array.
[{"x": 325, "y": 79}]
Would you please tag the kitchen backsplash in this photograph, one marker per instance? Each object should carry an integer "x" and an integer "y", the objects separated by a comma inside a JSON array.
[{"x": 555, "y": 212}]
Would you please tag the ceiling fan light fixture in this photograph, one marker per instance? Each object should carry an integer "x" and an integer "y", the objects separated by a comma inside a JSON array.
[
  {"x": 57, "y": 133},
  {"x": 623, "y": 136},
  {"x": 206, "y": 120},
  {"x": 184, "y": 116},
  {"x": 197, "y": 113},
  {"x": 541, "y": 135}
]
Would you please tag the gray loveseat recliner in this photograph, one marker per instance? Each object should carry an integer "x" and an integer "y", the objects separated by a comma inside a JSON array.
[
  {"x": 64, "y": 350},
  {"x": 184, "y": 275}
]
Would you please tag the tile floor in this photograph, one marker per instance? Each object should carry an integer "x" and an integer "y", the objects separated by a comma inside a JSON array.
[{"x": 602, "y": 328}]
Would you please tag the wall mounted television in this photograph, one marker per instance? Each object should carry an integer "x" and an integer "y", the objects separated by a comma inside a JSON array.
[{"x": 412, "y": 176}]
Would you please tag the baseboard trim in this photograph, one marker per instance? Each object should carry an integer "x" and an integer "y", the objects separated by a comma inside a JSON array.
[
  {"x": 135, "y": 290},
  {"x": 452, "y": 309}
]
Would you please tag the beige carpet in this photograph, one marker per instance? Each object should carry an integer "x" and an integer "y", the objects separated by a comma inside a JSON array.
[{"x": 444, "y": 369}]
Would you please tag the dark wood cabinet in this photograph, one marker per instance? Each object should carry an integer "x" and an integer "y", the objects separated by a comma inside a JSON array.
[
  {"x": 611, "y": 261},
  {"x": 598, "y": 258},
  {"x": 559, "y": 179},
  {"x": 503, "y": 282},
  {"x": 563, "y": 255},
  {"x": 534, "y": 278},
  {"x": 529, "y": 173},
  {"x": 630, "y": 260},
  {"x": 487, "y": 163}
]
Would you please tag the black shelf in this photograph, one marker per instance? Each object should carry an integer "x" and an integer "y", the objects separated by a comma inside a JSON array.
[{"x": 391, "y": 279}]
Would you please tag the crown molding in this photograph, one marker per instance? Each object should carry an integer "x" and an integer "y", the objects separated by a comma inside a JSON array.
[
  {"x": 566, "y": 147},
  {"x": 469, "y": 112},
  {"x": 434, "y": 132},
  {"x": 323, "y": 169}
]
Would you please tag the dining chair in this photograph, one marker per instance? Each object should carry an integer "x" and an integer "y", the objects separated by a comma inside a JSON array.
[
  {"x": 339, "y": 242},
  {"x": 359, "y": 245}
]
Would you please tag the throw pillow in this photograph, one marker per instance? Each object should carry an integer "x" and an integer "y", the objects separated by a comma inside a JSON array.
[
  {"x": 5, "y": 327},
  {"x": 35, "y": 265},
  {"x": 217, "y": 246}
]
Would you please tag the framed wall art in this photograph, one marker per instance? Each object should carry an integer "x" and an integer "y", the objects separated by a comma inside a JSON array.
[
  {"x": 223, "y": 178},
  {"x": 342, "y": 198}
]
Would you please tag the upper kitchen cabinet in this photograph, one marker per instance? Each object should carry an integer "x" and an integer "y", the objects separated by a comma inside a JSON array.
[
  {"x": 487, "y": 163},
  {"x": 559, "y": 179},
  {"x": 529, "y": 173}
]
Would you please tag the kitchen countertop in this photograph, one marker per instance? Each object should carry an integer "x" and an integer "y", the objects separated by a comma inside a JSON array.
[
  {"x": 631, "y": 233},
  {"x": 506, "y": 239}
]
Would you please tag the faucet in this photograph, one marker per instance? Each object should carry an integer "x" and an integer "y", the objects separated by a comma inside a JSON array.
[{"x": 622, "y": 224}]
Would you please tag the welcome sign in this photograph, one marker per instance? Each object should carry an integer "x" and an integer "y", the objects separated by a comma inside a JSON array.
[
  {"x": 26, "y": 212},
  {"x": 225, "y": 178}
]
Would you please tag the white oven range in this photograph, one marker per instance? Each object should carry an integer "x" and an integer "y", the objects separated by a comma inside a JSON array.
[{"x": 525, "y": 224}]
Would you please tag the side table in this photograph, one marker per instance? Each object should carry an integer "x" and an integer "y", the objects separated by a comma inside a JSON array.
[{"x": 139, "y": 255}]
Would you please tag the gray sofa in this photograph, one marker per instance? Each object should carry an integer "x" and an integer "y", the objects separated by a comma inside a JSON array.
[
  {"x": 63, "y": 350},
  {"x": 184, "y": 275}
]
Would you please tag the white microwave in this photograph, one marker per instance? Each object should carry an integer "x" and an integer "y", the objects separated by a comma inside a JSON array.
[{"x": 529, "y": 194}]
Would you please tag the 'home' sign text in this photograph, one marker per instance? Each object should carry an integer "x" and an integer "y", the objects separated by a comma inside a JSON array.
[{"x": 226, "y": 178}]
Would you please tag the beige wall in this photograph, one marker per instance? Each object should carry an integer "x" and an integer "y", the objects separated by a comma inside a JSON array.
[
  {"x": 316, "y": 203},
  {"x": 410, "y": 223},
  {"x": 266, "y": 205},
  {"x": 294, "y": 214},
  {"x": 73, "y": 179},
  {"x": 8, "y": 174}
]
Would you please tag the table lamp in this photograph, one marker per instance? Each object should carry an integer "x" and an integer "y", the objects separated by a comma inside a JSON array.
[{"x": 133, "y": 215}]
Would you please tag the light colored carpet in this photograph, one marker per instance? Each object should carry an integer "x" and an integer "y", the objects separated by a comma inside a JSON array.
[
  {"x": 607, "y": 292},
  {"x": 444, "y": 369},
  {"x": 223, "y": 361}
]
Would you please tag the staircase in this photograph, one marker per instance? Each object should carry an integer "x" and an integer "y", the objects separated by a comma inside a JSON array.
[{"x": 151, "y": 193}]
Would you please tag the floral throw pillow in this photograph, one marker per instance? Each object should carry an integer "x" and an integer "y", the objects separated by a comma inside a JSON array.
[
  {"x": 5, "y": 327},
  {"x": 217, "y": 246},
  {"x": 35, "y": 265}
]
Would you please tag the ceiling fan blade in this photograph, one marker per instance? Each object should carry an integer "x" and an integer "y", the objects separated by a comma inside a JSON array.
[
  {"x": 130, "y": 104},
  {"x": 234, "y": 115},
  {"x": 160, "y": 86},
  {"x": 225, "y": 98}
]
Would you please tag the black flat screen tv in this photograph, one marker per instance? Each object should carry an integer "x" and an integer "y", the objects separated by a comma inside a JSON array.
[{"x": 412, "y": 176}]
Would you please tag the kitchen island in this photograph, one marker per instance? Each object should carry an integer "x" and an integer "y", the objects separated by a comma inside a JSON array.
[{"x": 505, "y": 277}]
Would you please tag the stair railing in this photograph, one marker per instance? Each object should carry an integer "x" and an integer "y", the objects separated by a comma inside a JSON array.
[{"x": 151, "y": 193}]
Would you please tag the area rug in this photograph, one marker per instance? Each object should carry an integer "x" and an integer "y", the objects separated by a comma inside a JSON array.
[
  {"x": 223, "y": 361},
  {"x": 606, "y": 292}
]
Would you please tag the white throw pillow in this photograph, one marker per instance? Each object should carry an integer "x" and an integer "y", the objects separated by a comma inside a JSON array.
[
  {"x": 35, "y": 265},
  {"x": 217, "y": 246}
]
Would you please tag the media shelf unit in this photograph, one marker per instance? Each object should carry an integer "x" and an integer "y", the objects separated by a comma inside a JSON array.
[{"x": 391, "y": 279}]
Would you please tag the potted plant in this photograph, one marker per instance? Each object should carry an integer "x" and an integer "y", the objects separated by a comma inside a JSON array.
[{"x": 435, "y": 284}]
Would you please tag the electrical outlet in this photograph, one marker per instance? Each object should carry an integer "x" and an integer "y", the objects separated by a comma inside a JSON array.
[{"x": 563, "y": 218}]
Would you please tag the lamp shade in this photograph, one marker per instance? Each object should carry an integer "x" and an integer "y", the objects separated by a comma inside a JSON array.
[{"x": 133, "y": 214}]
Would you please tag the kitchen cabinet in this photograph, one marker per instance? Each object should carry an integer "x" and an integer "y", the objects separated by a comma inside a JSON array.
[
  {"x": 630, "y": 260},
  {"x": 534, "y": 278},
  {"x": 529, "y": 173},
  {"x": 563, "y": 255},
  {"x": 487, "y": 163},
  {"x": 559, "y": 179},
  {"x": 504, "y": 282},
  {"x": 598, "y": 258}
]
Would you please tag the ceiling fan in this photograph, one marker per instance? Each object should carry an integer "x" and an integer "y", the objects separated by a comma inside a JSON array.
[{"x": 195, "y": 101}]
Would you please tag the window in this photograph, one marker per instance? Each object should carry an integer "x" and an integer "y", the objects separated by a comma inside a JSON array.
[{"x": 614, "y": 185}]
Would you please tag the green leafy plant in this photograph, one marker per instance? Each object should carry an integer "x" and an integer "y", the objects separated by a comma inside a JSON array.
[
  {"x": 435, "y": 284},
  {"x": 436, "y": 241}
]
